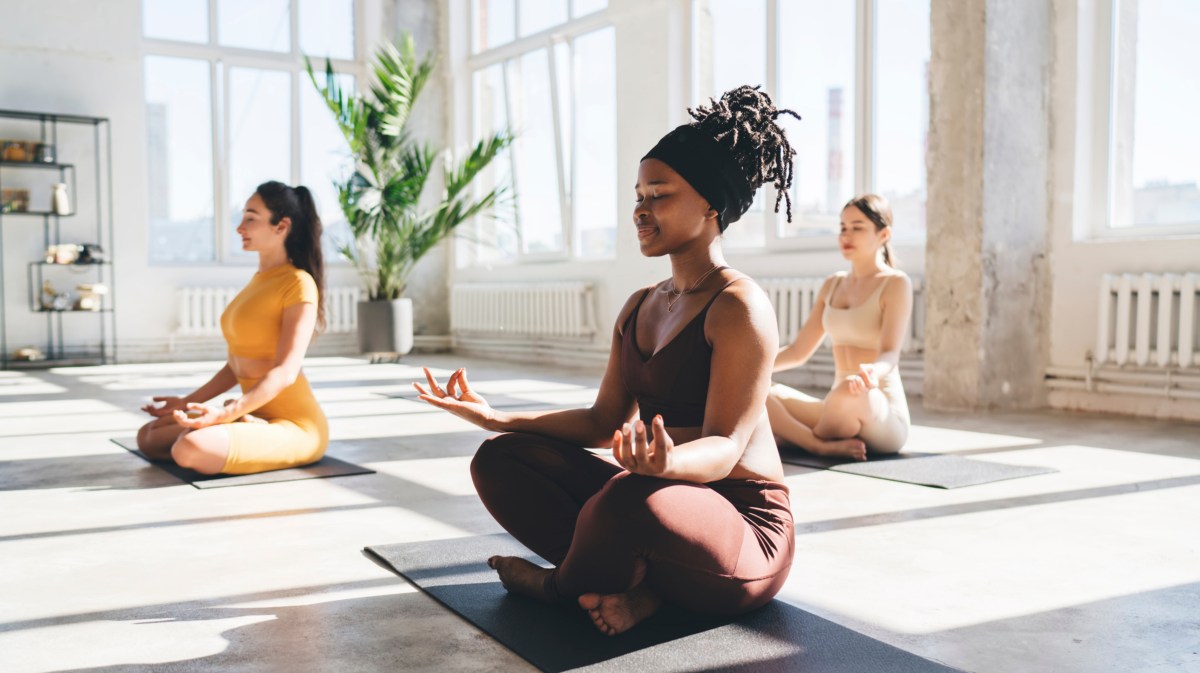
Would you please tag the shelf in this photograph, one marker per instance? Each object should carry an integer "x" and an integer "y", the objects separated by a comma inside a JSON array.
[
  {"x": 36, "y": 213},
  {"x": 51, "y": 117},
  {"x": 67, "y": 360},
  {"x": 75, "y": 266},
  {"x": 36, "y": 164}
]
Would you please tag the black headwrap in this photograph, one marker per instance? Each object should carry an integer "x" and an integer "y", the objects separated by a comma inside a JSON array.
[{"x": 709, "y": 168}]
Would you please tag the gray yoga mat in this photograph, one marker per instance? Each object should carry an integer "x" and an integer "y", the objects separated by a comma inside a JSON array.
[
  {"x": 924, "y": 469},
  {"x": 328, "y": 466},
  {"x": 777, "y": 637}
]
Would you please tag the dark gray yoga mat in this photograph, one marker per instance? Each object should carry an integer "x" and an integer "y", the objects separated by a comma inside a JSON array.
[
  {"x": 777, "y": 637},
  {"x": 328, "y": 466},
  {"x": 924, "y": 469}
]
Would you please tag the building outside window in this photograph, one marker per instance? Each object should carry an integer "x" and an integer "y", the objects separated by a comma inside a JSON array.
[{"x": 857, "y": 72}]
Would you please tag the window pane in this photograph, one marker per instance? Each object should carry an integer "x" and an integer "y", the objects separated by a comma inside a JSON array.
[
  {"x": 817, "y": 32},
  {"x": 494, "y": 23},
  {"x": 1166, "y": 140},
  {"x": 739, "y": 45},
  {"x": 595, "y": 199},
  {"x": 184, "y": 20},
  {"x": 324, "y": 158},
  {"x": 538, "y": 209},
  {"x": 260, "y": 137},
  {"x": 496, "y": 239},
  {"x": 733, "y": 54},
  {"x": 538, "y": 15},
  {"x": 902, "y": 109},
  {"x": 563, "y": 76},
  {"x": 254, "y": 24},
  {"x": 327, "y": 28},
  {"x": 180, "y": 165},
  {"x": 585, "y": 7}
]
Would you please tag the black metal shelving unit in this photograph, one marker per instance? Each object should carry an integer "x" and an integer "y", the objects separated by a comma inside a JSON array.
[{"x": 57, "y": 323}]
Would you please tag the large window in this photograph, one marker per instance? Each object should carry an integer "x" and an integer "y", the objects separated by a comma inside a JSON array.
[
  {"x": 229, "y": 106},
  {"x": 1154, "y": 174},
  {"x": 859, "y": 80},
  {"x": 557, "y": 93}
]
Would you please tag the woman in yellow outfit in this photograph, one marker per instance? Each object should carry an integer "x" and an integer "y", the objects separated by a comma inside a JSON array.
[{"x": 268, "y": 327}]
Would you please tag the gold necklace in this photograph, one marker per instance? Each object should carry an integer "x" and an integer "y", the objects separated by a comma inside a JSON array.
[{"x": 677, "y": 294}]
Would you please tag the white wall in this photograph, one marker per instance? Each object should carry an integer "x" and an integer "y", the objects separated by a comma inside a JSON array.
[{"x": 85, "y": 57}]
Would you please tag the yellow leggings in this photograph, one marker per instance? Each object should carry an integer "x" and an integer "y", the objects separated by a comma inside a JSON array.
[{"x": 296, "y": 432}]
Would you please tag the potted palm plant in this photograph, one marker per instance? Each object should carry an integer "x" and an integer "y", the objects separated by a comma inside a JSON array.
[{"x": 381, "y": 197}]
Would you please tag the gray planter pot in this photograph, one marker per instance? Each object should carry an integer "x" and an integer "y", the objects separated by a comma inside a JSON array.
[{"x": 385, "y": 326}]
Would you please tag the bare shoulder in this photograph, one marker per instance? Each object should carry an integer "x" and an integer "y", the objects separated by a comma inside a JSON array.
[
  {"x": 898, "y": 283},
  {"x": 827, "y": 285},
  {"x": 741, "y": 308},
  {"x": 630, "y": 303}
]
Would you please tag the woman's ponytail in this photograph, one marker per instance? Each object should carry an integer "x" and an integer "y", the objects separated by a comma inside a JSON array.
[{"x": 303, "y": 244}]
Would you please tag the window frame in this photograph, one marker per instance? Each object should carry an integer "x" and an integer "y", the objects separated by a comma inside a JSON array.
[
  {"x": 1106, "y": 88},
  {"x": 549, "y": 40},
  {"x": 220, "y": 59},
  {"x": 865, "y": 149}
]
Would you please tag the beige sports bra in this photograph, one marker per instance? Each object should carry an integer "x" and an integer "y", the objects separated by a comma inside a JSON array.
[{"x": 859, "y": 326}]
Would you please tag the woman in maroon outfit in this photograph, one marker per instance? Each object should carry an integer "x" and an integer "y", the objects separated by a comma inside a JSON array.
[{"x": 691, "y": 509}]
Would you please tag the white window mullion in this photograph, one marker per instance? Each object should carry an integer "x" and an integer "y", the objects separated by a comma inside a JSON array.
[
  {"x": 564, "y": 194},
  {"x": 864, "y": 109},
  {"x": 225, "y": 197},
  {"x": 770, "y": 217}
]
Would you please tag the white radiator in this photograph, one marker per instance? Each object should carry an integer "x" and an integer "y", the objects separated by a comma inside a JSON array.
[
  {"x": 1149, "y": 319},
  {"x": 200, "y": 309},
  {"x": 554, "y": 310},
  {"x": 793, "y": 301}
]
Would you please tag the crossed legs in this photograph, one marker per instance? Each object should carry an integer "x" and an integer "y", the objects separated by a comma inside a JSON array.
[
  {"x": 828, "y": 427},
  {"x": 204, "y": 450}
]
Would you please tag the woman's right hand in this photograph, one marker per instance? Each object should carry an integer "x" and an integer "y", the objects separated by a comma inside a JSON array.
[
  {"x": 458, "y": 398},
  {"x": 169, "y": 403}
]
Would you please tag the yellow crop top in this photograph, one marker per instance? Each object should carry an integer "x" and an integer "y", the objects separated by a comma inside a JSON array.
[{"x": 252, "y": 321}]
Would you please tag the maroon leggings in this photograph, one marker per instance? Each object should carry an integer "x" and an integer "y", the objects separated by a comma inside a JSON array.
[{"x": 719, "y": 548}]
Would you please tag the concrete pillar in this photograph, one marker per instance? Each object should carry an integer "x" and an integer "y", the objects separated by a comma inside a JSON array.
[{"x": 987, "y": 281}]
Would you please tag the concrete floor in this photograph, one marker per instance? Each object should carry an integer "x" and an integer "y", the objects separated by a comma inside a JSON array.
[{"x": 110, "y": 564}]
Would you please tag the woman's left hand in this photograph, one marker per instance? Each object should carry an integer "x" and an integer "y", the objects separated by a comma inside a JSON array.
[
  {"x": 863, "y": 380},
  {"x": 635, "y": 452},
  {"x": 198, "y": 416}
]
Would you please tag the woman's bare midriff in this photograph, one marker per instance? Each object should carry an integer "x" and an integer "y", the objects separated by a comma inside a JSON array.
[
  {"x": 849, "y": 358},
  {"x": 760, "y": 460},
  {"x": 250, "y": 368}
]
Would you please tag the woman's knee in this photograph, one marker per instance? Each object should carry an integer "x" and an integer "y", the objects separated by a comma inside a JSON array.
[{"x": 188, "y": 452}]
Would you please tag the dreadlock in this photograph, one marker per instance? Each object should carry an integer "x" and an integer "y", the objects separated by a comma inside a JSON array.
[{"x": 743, "y": 122}]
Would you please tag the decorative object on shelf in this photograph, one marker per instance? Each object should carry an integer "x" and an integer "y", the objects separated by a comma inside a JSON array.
[
  {"x": 53, "y": 300},
  {"x": 90, "y": 253},
  {"x": 63, "y": 253},
  {"x": 60, "y": 202},
  {"x": 18, "y": 150},
  {"x": 91, "y": 296},
  {"x": 14, "y": 200},
  {"x": 28, "y": 354},
  {"x": 45, "y": 153}
]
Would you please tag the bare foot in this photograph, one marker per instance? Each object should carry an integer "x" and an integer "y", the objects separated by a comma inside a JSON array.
[
  {"x": 847, "y": 448},
  {"x": 521, "y": 577},
  {"x": 617, "y": 613}
]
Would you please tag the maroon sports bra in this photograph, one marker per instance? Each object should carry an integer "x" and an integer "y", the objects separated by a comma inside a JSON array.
[{"x": 673, "y": 381}]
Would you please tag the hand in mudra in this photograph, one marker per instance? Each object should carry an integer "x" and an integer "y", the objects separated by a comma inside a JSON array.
[
  {"x": 457, "y": 398},
  {"x": 169, "y": 403},
  {"x": 640, "y": 454},
  {"x": 199, "y": 416},
  {"x": 863, "y": 380}
]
